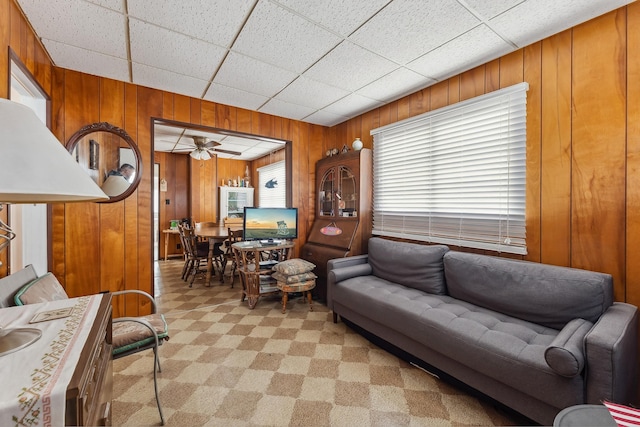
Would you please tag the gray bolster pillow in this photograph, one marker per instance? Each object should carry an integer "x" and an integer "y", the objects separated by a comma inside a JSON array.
[
  {"x": 345, "y": 273},
  {"x": 565, "y": 354}
]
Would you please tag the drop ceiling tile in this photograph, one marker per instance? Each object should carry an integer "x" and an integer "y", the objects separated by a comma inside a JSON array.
[
  {"x": 489, "y": 9},
  {"x": 276, "y": 36},
  {"x": 285, "y": 109},
  {"x": 350, "y": 67},
  {"x": 547, "y": 17},
  {"x": 395, "y": 85},
  {"x": 87, "y": 61},
  {"x": 180, "y": 54},
  {"x": 214, "y": 21},
  {"x": 325, "y": 118},
  {"x": 339, "y": 16},
  {"x": 236, "y": 97},
  {"x": 163, "y": 145},
  {"x": 117, "y": 5},
  {"x": 311, "y": 93},
  {"x": 475, "y": 47},
  {"x": 352, "y": 105},
  {"x": 424, "y": 24},
  {"x": 79, "y": 24},
  {"x": 156, "y": 78},
  {"x": 242, "y": 72}
]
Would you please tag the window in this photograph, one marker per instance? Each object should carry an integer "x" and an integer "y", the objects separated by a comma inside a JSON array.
[
  {"x": 455, "y": 175},
  {"x": 272, "y": 181}
]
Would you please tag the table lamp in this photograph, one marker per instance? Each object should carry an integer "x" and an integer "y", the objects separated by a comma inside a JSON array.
[{"x": 34, "y": 168}]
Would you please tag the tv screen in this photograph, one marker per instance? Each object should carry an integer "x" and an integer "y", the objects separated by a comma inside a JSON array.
[{"x": 270, "y": 224}]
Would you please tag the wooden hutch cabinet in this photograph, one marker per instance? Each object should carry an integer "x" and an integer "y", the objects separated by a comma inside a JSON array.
[{"x": 342, "y": 224}]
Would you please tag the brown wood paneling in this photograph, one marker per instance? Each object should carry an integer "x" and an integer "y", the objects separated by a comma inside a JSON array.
[
  {"x": 632, "y": 255},
  {"x": 598, "y": 145},
  {"x": 532, "y": 75},
  {"x": 555, "y": 209},
  {"x": 472, "y": 83},
  {"x": 512, "y": 68},
  {"x": 439, "y": 95}
]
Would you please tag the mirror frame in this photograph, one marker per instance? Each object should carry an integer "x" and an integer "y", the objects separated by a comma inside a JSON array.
[
  {"x": 288, "y": 146},
  {"x": 107, "y": 127}
]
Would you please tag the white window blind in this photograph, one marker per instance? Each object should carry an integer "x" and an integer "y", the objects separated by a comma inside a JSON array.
[
  {"x": 272, "y": 183},
  {"x": 455, "y": 175}
]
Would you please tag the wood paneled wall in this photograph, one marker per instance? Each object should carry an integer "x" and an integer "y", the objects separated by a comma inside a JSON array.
[
  {"x": 583, "y": 151},
  {"x": 583, "y": 141}
]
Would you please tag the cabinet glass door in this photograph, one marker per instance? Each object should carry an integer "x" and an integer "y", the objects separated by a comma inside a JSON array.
[
  {"x": 348, "y": 201},
  {"x": 236, "y": 203},
  {"x": 326, "y": 194}
]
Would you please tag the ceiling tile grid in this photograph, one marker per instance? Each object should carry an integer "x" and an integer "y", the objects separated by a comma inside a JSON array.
[{"x": 322, "y": 62}]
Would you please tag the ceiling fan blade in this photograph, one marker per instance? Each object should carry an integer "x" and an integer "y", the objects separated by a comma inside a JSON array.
[
  {"x": 234, "y": 153},
  {"x": 211, "y": 144}
]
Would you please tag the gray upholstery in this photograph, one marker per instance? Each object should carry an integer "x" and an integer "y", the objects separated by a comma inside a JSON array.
[
  {"x": 545, "y": 294},
  {"x": 565, "y": 354},
  {"x": 11, "y": 284},
  {"x": 412, "y": 265},
  {"x": 493, "y": 329}
]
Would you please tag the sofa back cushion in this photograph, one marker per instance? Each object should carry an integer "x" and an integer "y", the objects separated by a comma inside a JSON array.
[
  {"x": 409, "y": 264},
  {"x": 545, "y": 294}
]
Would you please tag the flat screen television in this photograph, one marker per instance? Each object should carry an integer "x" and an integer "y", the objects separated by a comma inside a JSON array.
[{"x": 270, "y": 224}]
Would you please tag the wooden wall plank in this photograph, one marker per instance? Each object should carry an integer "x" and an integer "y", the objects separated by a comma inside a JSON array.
[
  {"x": 598, "y": 144},
  {"x": 533, "y": 75},
  {"x": 632, "y": 255},
  {"x": 472, "y": 83},
  {"x": 555, "y": 209}
]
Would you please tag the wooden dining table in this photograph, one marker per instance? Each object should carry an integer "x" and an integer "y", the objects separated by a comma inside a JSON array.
[{"x": 216, "y": 234}]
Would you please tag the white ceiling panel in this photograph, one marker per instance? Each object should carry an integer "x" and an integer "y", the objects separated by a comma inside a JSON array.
[
  {"x": 426, "y": 24},
  {"x": 311, "y": 93},
  {"x": 88, "y": 61},
  {"x": 236, "y": 97},
  {"x": 321, "y": 62},
  {"x": 547, "y": 17},
  {"x": 325, "y": 118},
  {"x": 116, "y": 5},
  {"x": 489, "y": 9},
  {"x": 180, "y": 54},
  {"x": 168, "y": 81},
  {"x": 276, "y": 36},
  {"x": 395, "y": 84},
  {"x": 214, "y": 21},
  {"x": 350, "y": 67},
  {"x": 474, "y": 48},
  {"x": 353, "y": 102},
  {"x": 285, "y": 109},
  {"x": 339, "y": 16},
  {"x": 80, "y": 24},
  {"x": 242, "y": 72}
]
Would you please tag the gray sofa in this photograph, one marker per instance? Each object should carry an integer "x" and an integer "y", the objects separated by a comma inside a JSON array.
[{"x": 535, "y": 337}]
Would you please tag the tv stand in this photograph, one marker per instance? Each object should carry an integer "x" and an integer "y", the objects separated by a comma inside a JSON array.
[{"x": 255, "y": 271}]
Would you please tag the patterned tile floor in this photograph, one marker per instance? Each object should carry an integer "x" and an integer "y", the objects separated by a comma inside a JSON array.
[{"x": 228, "y": 365}]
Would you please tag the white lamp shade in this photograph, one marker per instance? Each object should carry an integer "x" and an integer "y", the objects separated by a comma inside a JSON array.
[{"x": 34, "y": 166}]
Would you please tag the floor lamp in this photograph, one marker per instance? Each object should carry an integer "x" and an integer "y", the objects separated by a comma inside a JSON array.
[{"x": 34, "y": 168}]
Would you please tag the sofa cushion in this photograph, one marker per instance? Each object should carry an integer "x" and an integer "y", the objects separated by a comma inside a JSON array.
[
  {"x": 409, "y": 264},
  {"x": 565, "y": 354},
  {"x": 549, "y": 295},
  {"x": 43, "y": 289}
]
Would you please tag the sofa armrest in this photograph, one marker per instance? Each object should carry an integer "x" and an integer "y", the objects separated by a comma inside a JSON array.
[
  {"x": 340, "y": 263},
  {"x": 611, "y": 352}
]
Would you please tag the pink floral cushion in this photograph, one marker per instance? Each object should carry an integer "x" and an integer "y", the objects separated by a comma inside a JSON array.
[{"x": 43, "y": 289}]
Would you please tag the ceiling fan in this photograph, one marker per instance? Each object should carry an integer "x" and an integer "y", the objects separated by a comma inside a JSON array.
[{"x": 205, "y": 148}]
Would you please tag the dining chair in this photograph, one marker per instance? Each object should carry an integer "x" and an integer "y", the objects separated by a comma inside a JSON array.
[
  {"x": 130, "y": 334},
  {"x": 197, "y": 254},
  {"x": 233, "y": 236}
]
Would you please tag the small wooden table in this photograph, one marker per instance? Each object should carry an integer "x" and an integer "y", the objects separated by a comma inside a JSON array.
[
  {"x": 215, "y": 234},
  {"x": 255, "y": 272},
  {"x": 167, "y": 232}
]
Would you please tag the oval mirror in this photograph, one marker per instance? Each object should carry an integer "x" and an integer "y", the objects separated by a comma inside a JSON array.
[{"x": 110, "y": 157}]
